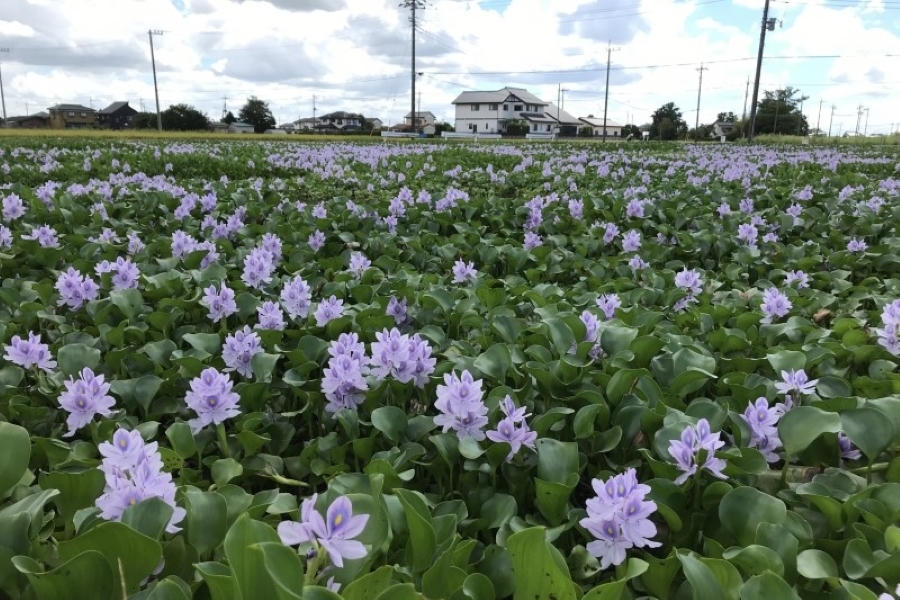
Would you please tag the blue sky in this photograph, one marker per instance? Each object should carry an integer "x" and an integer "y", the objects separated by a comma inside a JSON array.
[{"x": 354, "y": 54}]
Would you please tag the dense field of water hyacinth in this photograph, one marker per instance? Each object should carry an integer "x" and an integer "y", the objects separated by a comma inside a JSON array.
[{"x": 236, "y": 370}]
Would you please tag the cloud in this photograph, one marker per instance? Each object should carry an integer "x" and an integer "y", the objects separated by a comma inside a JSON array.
[
  {"x": 13, "y": 29},
  {"x": 304, "y": 5},
  {"x": 615, "y": 21}
]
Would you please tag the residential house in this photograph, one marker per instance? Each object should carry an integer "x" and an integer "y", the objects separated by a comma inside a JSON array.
[
  {"x": 117, "y": 115},
  {"x": 241, "y": 127},
  {"x": 613, "y": 129},
  {"x": 721, "y": 128},
  {"x": 374, "y": 123},
  {"x": 218, "y": 127},
  {"x": 340, "y": 120},
  {"x": 72, "y": 116},
  {"x": 564, "y": 123},
  {"x": 35, "y": 121},
  {"x": 489, "y": 111}
]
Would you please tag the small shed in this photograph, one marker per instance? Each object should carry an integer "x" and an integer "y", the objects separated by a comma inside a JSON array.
[{"x": 241, "y": 127}]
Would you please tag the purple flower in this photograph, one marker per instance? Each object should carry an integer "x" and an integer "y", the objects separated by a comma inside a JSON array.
[
  {"x": 724, "y": 210},
  {"x": 798, "y": 277},
  {"x": 513, "y": 429},
  {"x": 856, "y": 245},
  {"x": 746, "y": 206},
  {"x": 296, "y": 297},
  {"x": 45, "y": 235},
  {"x": 796, "y": 381},
  {"x": 532, "y": 240},
  {"x": 392, "y": 355},
  {"x": 423, "y": 362},
  {"x": 608, "y": 303},
  {"x": 125, "y": 273},
  {"x": 318, "y": 211},
  {"x": 631, "y": 241},
  {"x": 358, "y": 264},
  {"x": 635, "y": 209},
  {"x": 30, "y": 353},
  {"x": 343, "y": 382},
  {"x": 334, "y": 533},
  {"x": 686, "y": 451},
  {"x": 637, "y": 263},
  {"x": 748, "y": 233},
  {"x": 689, "y": 280},
  {"x": 610, "y": 232},
  {"x": 84, "y": 398},
  {"x": 270, "y": 316},
  {"x": 75, "y": 289},
  {"x": 889, "y": 334},
  {"x": 134, "y": 472},
  {"x": 271, "y": 243},
  {"x": 576, "y": 209},
  {"x": 463, "y": 272},
  {"x": 6, "y": 238},
  {"x": 460, "y": 402},
  {"x": 258, "y": 268},
  {"x": 592, "y": 326},
  {"x": 13, "y": 208},
  {"x": 763, "y": 422},
  {"x": 220, "y": 303},
  {"x": 182, "y": 244},
  {"x": 316, "y": 240},
  {"x": 239, "y": 349},
  {"x": 135, "y": 244},
  {"x": 329, "y": 309},
  {"x": 212, "y": 399},
  {"x": 618, "y": 518},
  {"x": 397, "y": 309},
  {"x": 774, "y": 304},
  {"x": 848, "y": 452}
]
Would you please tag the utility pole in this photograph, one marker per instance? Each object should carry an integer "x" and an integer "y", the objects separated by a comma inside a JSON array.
[
  {"x": 224, "y": 107},
  {"x": 699, "y": 90},
  {"x": 746, "y": 93},
  {"x": 831, "y": 120},
  {"x": 2, "y": 95},
  {"x": 314, "y": 112},
  {"x": 819, "y": 119},
  {"x": 859, "y": 112},
  {"x": 413, "y": 5},
  {"x": 150, "y": 34},
  {"x": 609, "y": 51},
  {"x": 800, "y": 122},
  {"x": 866, "y": 127},
  {"x": 767, "y": 25}
]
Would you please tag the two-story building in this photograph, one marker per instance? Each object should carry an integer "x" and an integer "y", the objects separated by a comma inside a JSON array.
[
  {"x": 341, "y": 120},
  {"x": 117, "y": 115},
  {"x": 488, "y": 112},
  {"x": 71, "y": 116}
]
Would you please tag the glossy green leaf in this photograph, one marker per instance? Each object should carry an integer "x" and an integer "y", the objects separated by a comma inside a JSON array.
[
  {"x": 538, "y": 570},
  {"x": 800, "y": 426},
  {"x": 14, "y": 458},
  {"x": 87, "y": 574},
  {"x": 744, "y": 508}
]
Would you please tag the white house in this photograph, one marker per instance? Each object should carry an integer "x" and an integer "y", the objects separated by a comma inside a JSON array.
[
  {"x": 374, "y": 123},
  {"x": 240, "y": 127},
  {"x": 613, "y": 129},
  {"x": 342, "y": 120},
  {"x": 488, "y": 112}
]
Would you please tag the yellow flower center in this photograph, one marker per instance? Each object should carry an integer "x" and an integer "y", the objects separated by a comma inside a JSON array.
[{"x": 339, "y": 519}]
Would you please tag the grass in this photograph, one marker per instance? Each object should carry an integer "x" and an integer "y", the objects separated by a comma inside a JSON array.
[{"x": 882, "y": 140}]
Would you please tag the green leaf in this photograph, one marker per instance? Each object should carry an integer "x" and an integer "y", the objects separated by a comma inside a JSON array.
[
  {"x": 444, "y": 578},
  {"x": 248, "y": 566},
  {"x": 15, "y": 455},
  {"x": 538, "y": 569},
  {"x": 284, "y": 570},
  {"x": 744, "y": 508},
  {"x": 402, "y": 591},
  {"x": 210, "y": 343},
  {"x": 131, "y": 555},
  {"x": 72, "y": 358},
  {"x": 494, "y": 362},
  {"x": 615, "y": 590},
  {"x": 225, "y": 469},
  {"x": 498, "y": 510},
  {"x": 557, "y": 461},
  {"x": 219, "y": 580},
  {"x": 369, "y": 586},
  {"x": 130, "y": 302},
  {"x": 86, "y": 575},
  {"x": 816, "y": 564},
  {"x": 206, "y": 522},
  {"x": 182, "y": 439},
  {"x": 767, "y": 586},
  {"x": 787, "y": 360},
  {"x": 263, "y": 364},
  {"x": 391, "y": 421},
  {"x": 149, "y": 517},
  {"x": 422, "y": 541},
  {"x": 800, "y": 426},
  {"x": 869, "y": 428},
  {"x": 170, "y": 588},
  {"x": 507, "y": 328}
]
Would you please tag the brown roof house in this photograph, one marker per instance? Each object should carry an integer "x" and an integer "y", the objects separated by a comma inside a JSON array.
[
  {"x": 72, "y": 116},
  {"x": 35, "y": 121}
]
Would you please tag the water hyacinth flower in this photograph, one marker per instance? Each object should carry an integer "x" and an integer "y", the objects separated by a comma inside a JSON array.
[
  {"x": 592, "y": 326},
  {"x": 856, "y": 245},
  {"x": 239, "y": 349},
  {"x": 463, "y": 272},
  {"x": 75, "y": 289},
  {"x": 334, "y": 533},
  {"x": 798, "y": 277},
  {"x": 848, "y": 452},
  {"x": 631, "y": 241},
  {"x": 6, "y": 238},
  {"x": 13, "y": 208},
  {"x": 358, "y": 264},
  {"x": 608, "y": 303},
  {"x": 85, "y": 398},
  {"x": 462, "y": 409},
  {"x": 212, "y": 399},
  {"x": 748, "y": 234},
  {"x": 889, "y": 333},
  {"x": 637, "y": 263},
  {"x": 686, "y": 451},
  {"x": 513, "y": 429},
  {"x": 258, "y": 268},
  {"x": 134, "y": 472},
  {"x": 618, "y": 518},
  {"x": 690, "y": 280},
  {"x": 397, "y": 309},
  {"x": 343, "y": 381},
  {"x": 316, "y": 240},
  {"x": 296, "y": 297},
  {"x": 221, "y": 303},
  {"x": 329, "y": 309},
  {"x": 532, "y": 240},
  {"x": 270, "y": 316},
  {"x": 886, "y": 596},
  {"x": 30, "y": 353},
  {"x": 763, "y": 423},
  {"x": 402, "y": 357},
  {"x": 774, "y": 305},
  {"x": 796, "y": 381}
]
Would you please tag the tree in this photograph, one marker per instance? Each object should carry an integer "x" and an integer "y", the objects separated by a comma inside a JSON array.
[
  {"x": 257, "y": 113},
  {"x": 517, "y": 127},
  {"x": 184, "y": 117},
  {"x": 229, "y": 118},
  {"x": 586, "y": 131},
  {"x": 632, "y": 130},
  {"x": 779, "y": 112},
  {"x": 440, "y": 127},
  {"x": 726, "y": 117},
  {"x": 144, "y": 120},
  {"x": 667, "y": 124}
]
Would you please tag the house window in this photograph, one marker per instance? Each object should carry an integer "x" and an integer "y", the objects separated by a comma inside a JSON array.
[
  {"x": 492, "y": 107},
  {"x": 506, "y": 107},
  {"x": 548, "y": 128},
  {"x": 71, "y": 113},
  {"x": 475, "y": 107},
  {"x": 485, "y": 125},
  {"x": 83, "y": 114},
  {"x": 517, "y": 107}
]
